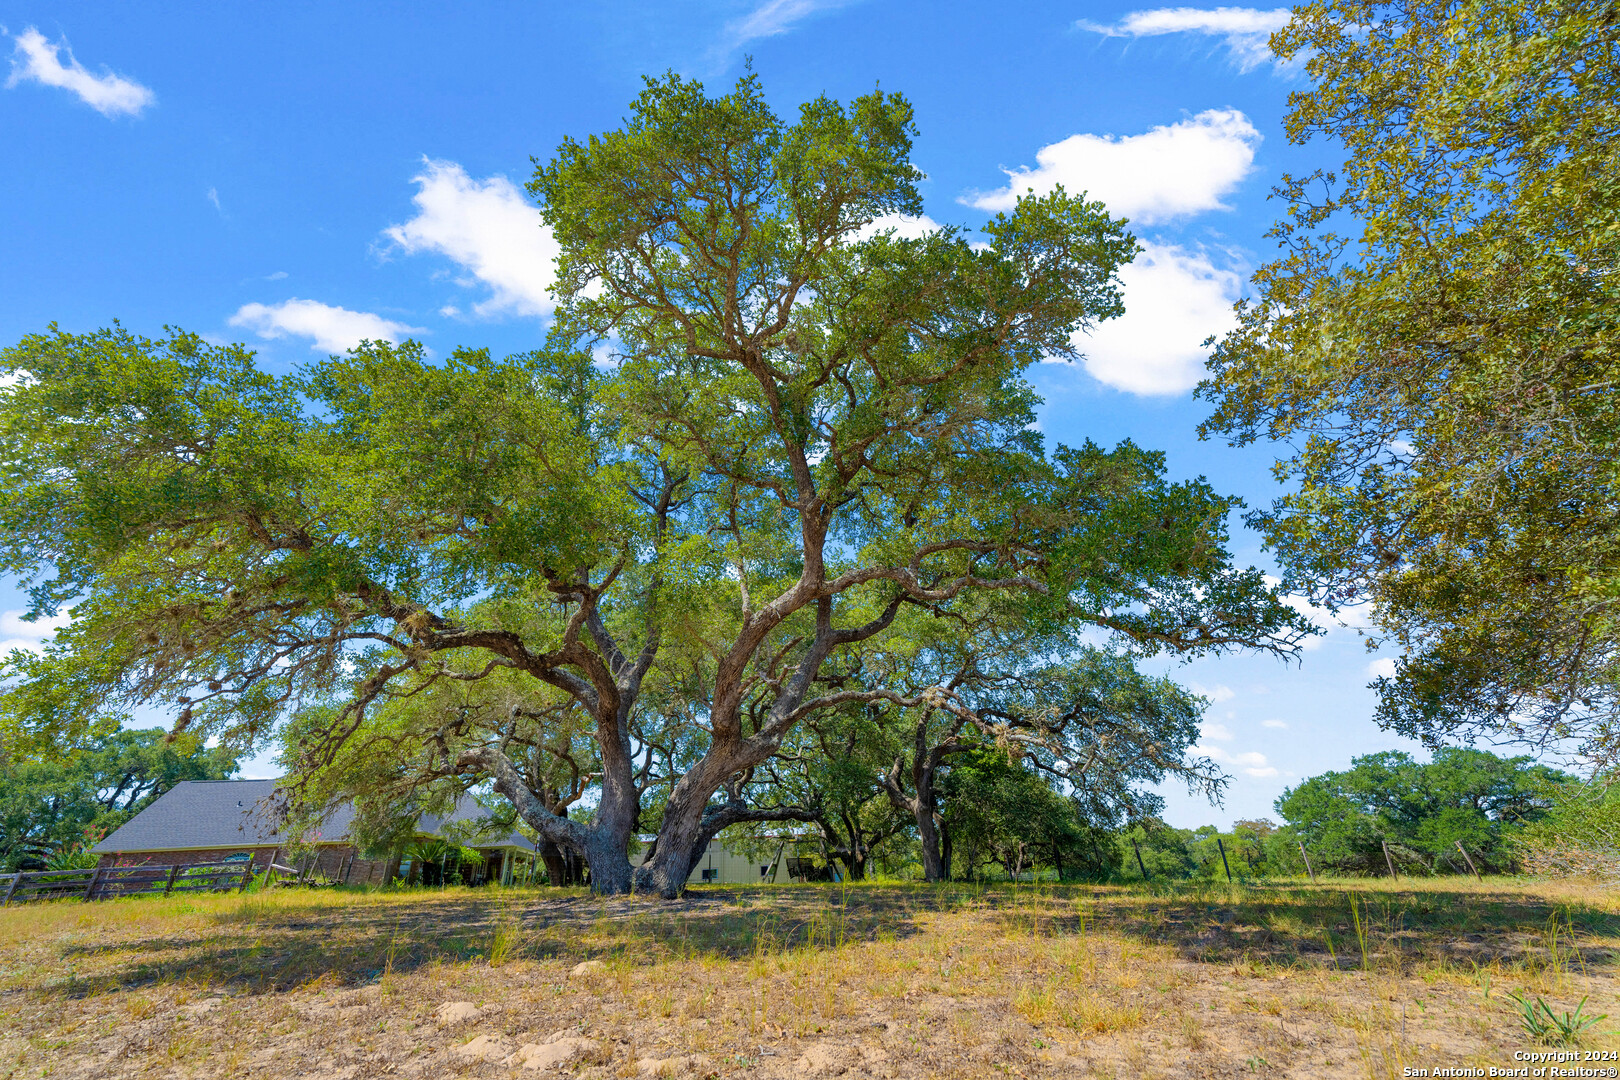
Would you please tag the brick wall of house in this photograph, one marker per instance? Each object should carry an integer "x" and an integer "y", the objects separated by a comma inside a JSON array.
[
  {"x": 333, "y": 862},
  {"x": 262, "y": 857},
  {"x": 343, "y": 863},
  {"x": 366, "y": 872}
]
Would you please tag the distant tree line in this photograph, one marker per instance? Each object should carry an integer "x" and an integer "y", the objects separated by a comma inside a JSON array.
[
  {"x": 997, "y": 815},
  {"x": 1003, "y": 821},
  {"x": 52, "y": 810}
]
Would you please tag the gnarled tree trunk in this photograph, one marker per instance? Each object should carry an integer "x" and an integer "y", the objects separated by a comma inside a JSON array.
[
  {"x": 604, "y": 842},
  {"x": 922, "y": 803}
]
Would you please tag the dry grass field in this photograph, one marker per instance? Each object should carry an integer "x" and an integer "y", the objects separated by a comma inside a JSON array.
[{"x": 1339, "y": 979}]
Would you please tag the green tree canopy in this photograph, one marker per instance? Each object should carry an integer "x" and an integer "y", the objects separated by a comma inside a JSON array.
[
  {"x": 999, "y": 812},
  {"x": 808, "y": 428},
  {"x": 1422, "y": 811},
  {"x": 54, "y": 804},
  {"x": 1437, "y": 344},
  {"x": 1084, "y": 717}
]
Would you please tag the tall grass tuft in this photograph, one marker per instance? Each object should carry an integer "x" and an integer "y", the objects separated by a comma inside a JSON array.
[{"x": 1361, "y": 931}]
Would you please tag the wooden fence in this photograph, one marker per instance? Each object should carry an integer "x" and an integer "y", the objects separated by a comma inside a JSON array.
[{"x": 106, "y": 882}]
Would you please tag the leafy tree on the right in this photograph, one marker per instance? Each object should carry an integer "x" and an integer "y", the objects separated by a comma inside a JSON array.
[
  {"x": 1422, "y": 811},
  {"x": 1437, "y": 343}
]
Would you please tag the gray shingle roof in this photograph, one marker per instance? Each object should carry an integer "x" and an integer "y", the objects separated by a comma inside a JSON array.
[
  {"x": 237, "y": 813},
  {"x": 468, "y": 811},
  {"x": 211, "y": 814}
]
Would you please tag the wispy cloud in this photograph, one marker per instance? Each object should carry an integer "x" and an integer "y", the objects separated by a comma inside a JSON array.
[
  {"x": 489, "y": 229},
  {"x": 1216, "y": 694},
  {"x": 1279, "y": 725},
  {"x": 1245, "y": 32},
  {"x": 213, "y": 199},
  {"x": 901, "y": 225},
  {"x": 1248, "y": 762},
  {"x": 15, "y": 633},
  {"x": 1173, "y": 171},
  {"x": 332, "y": 329},
  {"x": 35, "y": 59},
  {"x": 1355, "y": 619},
  {"x": 769, "y": 19},
  {"x": 1382, "y": 668}
]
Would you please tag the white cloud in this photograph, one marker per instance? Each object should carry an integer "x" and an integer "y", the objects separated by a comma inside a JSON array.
[
  {"x": 489, "y": 229},
  {"x": 333, "y": 329},
  {"x": 1280, "y": 725},
  {"x": 1218, "y": 732},
  {"x": 213, "y": 197},
  {"x": 1356, "y": 619},
  {"x": 1216, "y": 694},
  {"x": 1382, "y": 668},
  {"x": 769, "y": 19},
  {"x": 31, "y": 636},
  {"x": 1173, "y": 171},
  {"x": 1249, "y": 762},
  {"x": 36, "y": 60},
  {"x": 605, "y": 354},
  {"x": 1175, "y": 298},
  {"x": 904, "y": 227},
  {"x": 277, "y": 276},
  {"x": 1246, "y": 32}
]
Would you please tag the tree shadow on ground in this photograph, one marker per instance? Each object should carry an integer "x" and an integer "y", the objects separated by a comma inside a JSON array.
[
  {"x": 1346, "y": 925},
  {"x": 349, "y": 939}
]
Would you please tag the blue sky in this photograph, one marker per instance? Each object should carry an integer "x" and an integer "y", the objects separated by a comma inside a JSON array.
[{"x": 299, "y": 176}]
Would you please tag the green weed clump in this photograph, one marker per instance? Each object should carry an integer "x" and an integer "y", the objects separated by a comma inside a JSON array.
[{"x": 1553, "y": 1029}]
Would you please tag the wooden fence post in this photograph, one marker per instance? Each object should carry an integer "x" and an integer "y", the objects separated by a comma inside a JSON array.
[
  {"x": 1139, "y": 861},
  {"x": 174, "y": 872},
  {"x": 15, "y": 878},
  {"x": 1224, "y": 863},
  {"x": 1469, "y": 861},
  {"x": 1388, "y": 861},
  {"x": 1307, "y": 859},
  {"x": 90, "y": 889}
]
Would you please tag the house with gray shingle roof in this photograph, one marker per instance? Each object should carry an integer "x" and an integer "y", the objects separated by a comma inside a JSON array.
[{"x": 210, "y": 821}]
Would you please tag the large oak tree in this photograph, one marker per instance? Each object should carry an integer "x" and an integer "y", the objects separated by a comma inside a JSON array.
[{"x": 811, "y": 423}]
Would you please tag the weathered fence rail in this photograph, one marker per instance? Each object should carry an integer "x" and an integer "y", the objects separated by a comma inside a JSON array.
[{"x": 106, "y": 882}]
